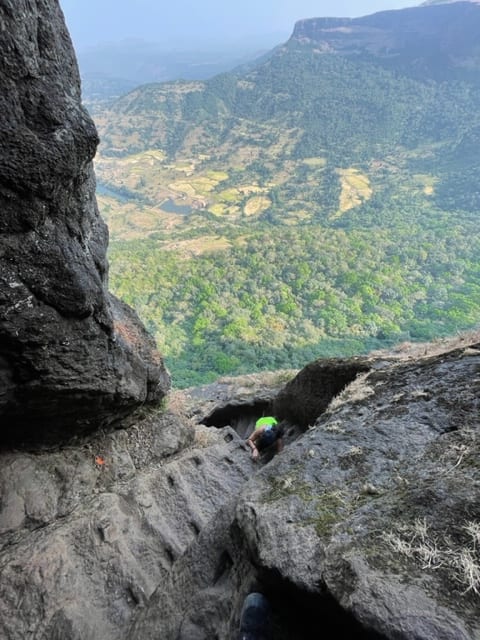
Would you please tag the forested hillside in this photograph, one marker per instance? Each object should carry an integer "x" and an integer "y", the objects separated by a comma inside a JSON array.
[{"x": 322, "y": 202}]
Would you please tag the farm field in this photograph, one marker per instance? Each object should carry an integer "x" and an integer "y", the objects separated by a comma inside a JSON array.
[{"x": 316, "y": 205}]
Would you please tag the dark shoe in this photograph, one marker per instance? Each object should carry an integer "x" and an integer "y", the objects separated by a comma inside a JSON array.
[{"x": 255, "y": 618}]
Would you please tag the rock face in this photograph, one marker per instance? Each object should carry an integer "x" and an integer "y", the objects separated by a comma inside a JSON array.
[
  {"x": 437, "y": 40},
  {"x": 71, "y": 356},
  {"x": 367, "y": 522},
  {"x": 378, "y": 504},
  {"x": 87, "y": 532}
]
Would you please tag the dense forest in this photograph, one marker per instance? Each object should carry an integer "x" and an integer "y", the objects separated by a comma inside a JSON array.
[{"x": 310, "y": 205}]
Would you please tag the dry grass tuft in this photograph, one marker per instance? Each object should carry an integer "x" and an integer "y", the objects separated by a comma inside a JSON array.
[
  {"x": 417, "y": 543},
  {"x": 333, "y": 427},
  {"x": 204, "y": 437},
  {"x": 353, "y": 452},
  {"x": 354, "y": 392},
  {"x": 415, "y": 350}
]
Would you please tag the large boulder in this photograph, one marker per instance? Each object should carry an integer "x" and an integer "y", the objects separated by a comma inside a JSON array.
[
  {"x": 72, "y": 357},
  {"x": 90, "y": 532},
  {"x": 376, "y": 506},
  {"x": 367, "y": 523}
]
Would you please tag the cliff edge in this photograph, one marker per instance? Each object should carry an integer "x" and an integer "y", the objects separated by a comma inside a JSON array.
[{"x": 72, "y": 357}]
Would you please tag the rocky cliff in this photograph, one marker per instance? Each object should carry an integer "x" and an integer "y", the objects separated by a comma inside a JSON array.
[
  {"x": 72, "y": 357},
  {"x": 428, "y": 41},
  {"x": 366, "y": 525}
]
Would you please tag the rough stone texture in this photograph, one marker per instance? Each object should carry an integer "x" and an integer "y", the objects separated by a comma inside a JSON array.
[
  {"x": 368, "y": 523},
  {"x": 311, "y": 391},
  {"x": 236, "y": 402},
  {"x": 85, "y": 540},
  {"x": 361, "y": 524},
  {"x": 373, "y": 504},
  {"x": 203, "y": 593},
  {"x": 71, "y": 356}
]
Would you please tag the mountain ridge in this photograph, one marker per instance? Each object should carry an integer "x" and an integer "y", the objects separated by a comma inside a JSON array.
[{"x": 431, "y": 40}]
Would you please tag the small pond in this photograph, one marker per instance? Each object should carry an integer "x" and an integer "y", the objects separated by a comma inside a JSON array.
[{"x": 170, "y": 207}]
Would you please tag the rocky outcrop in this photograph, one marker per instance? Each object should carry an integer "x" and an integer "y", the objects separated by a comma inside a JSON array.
[
  {"x": 367, "y": 522},
  {"x": 437, "y": 40},
  {"x": 71, "y": 356},
  {"x": 88, "y": 532},
  {"x": 377, "y": 504}
]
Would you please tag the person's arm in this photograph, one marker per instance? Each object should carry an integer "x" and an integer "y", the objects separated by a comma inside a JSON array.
[
  {"x": 252, "y": 444},
  {"x": 279, "y": 445}
]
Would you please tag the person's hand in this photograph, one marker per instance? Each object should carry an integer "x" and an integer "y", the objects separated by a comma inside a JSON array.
[{"x": 255, "y": 454}]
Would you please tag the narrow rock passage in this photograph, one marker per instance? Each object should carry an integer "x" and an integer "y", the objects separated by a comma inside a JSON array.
[
  {"x": 298, "y": 615},
  {"x": 241, "y": 417}
]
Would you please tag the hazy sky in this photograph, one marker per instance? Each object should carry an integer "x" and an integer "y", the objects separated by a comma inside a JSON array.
[{"x": 202, "y": 22}]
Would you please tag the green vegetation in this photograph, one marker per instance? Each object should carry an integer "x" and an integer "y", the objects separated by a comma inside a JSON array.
[
  {"x": 329, "y": 505},
  {"x": 313, "y": 206}
]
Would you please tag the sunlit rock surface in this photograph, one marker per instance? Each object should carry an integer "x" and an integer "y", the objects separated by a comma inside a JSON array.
[{"x": 367, "y": 521}]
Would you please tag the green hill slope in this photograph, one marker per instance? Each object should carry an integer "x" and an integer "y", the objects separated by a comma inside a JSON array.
[{"x": 322, "y": 202}]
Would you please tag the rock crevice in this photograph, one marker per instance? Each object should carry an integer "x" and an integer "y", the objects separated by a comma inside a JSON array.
[{"x": 368, "y": 521}]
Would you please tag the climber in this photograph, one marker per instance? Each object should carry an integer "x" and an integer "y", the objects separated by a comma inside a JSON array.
[{"x": 267, "y": 432}]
